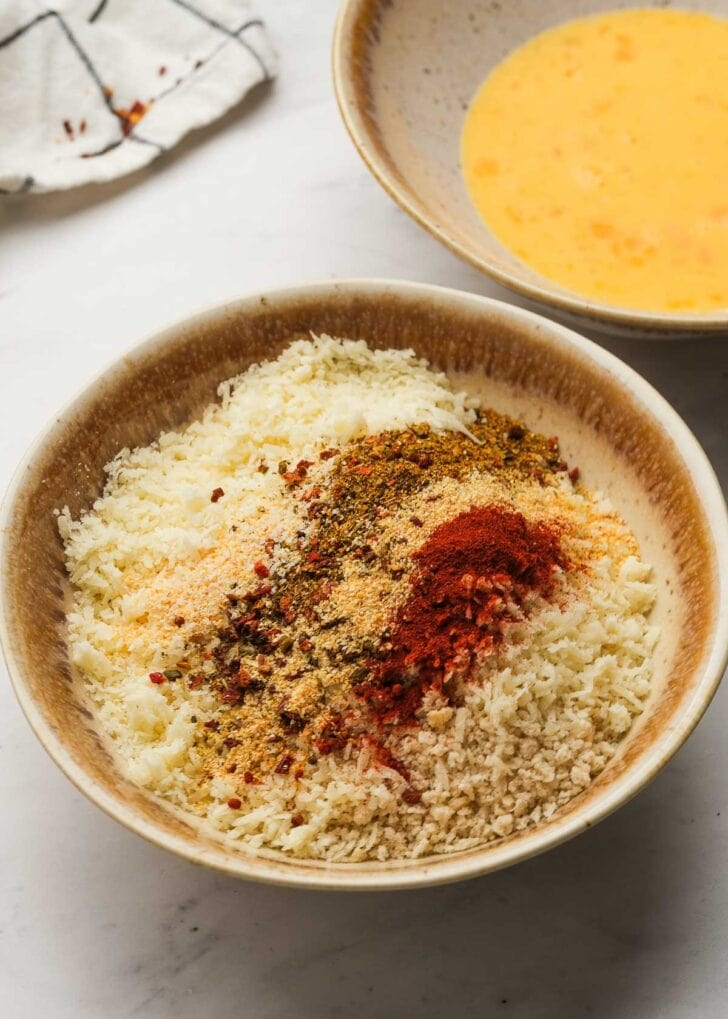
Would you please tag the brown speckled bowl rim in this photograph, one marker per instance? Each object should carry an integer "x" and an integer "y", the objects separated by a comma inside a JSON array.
[
  {"x": 439, "y": 870},
  {"x": 352, "y": 36}
]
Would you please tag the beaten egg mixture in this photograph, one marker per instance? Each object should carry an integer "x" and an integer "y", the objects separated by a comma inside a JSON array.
[{"x": 598, "y": 154}]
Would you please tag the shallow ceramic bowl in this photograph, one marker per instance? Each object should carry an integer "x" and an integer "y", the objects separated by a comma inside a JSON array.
[
  {"x": 626, "y": 439},
  {"x": 405, "y": 74}
]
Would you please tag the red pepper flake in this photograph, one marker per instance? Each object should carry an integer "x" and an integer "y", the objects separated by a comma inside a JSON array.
[
  {"x": 314, "y": 557},
  {"x": 234, "y": 803},
  {"x": 326, "y": 454},
  {"x": 261, "y": 569},
  {"x": 216, "y": 495},
  {"x": 329, "y": 744},
  {"x": 269, "y": 545},
  {"x": 130, "y": 117},
  {"x": 262, "y": 467},
  {"x": 212, "y": 724},
  {"x": 284, "y": 765},
  {"x": 574, "y": 474},
  {"x": 305, "y": 644},
  {"x": 295, "y": 477},
  {"x": 411, "y": 795},
  {"x": 156, "y": 677},
  {"x": 179, "y": 620},
  {"x": 313, "y": 493},
  {"x": 296, "y": 820},
  {"x": 68, "y": 129},
  {"x": 162, "y": 71},
  {"x": 248, "y": 778},
  {"x": 196, "y": 681},
  {"x": 416, "y": 521},
  {"x": 364, "y": 469}
]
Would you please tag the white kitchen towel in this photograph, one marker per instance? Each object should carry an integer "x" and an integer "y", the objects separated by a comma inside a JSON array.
[{"x": 93, "y": 89}]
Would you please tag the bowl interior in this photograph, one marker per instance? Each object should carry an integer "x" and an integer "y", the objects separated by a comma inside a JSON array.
[
  {"x": 604, "y": 414},
  {"x": 405, "y": 75}
]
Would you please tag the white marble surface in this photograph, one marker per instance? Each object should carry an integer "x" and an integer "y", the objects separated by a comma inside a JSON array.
[{"x": 630, "y": 920}]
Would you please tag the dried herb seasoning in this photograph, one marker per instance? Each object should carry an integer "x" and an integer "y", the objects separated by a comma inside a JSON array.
[{"x": 294, "y": 676}]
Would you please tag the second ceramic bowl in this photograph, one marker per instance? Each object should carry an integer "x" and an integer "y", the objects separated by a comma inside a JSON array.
[{"x": 405, "y": 74}]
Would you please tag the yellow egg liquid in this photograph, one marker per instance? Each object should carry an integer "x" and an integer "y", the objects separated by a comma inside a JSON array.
[{"x": 598, "y": 154}]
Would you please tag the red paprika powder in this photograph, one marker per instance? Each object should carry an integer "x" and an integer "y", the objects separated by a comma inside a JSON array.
[{"x": 473, "y": 573}]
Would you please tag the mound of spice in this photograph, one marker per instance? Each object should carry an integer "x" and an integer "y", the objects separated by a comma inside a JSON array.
[
  {"x": 342, "y": 629},
  {"x": 473, "y": 576}
]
